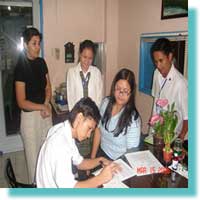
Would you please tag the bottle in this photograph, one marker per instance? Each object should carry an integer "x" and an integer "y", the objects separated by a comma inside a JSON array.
[
  {"x": 173, "y": 176},
  {"x": 178, "y": 146},
  {"x": 175, "y": 161}
]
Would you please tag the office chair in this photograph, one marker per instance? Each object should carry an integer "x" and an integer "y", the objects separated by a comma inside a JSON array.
[{"x": 10, "y": 176}]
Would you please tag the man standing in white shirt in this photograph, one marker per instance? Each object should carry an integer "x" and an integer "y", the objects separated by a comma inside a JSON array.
[
  {"x": 170, "y": 84},
  {"x": 54, "y": 167}
]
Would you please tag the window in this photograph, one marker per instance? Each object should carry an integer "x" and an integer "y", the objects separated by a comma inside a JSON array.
[{"x": 179, "y": 42}]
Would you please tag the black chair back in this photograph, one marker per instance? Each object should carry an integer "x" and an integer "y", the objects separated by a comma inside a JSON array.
[{"x": 10, "y": 176}]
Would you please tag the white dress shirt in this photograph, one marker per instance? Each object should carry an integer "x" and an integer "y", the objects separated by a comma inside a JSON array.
[
  {"x": 174, "y": 89},
  {"x": 75, "y": 88},
  {"x": 54, "y": 167}
]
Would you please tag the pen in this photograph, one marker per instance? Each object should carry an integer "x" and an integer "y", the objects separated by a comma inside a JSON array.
[{"x": 101, "y": 163}]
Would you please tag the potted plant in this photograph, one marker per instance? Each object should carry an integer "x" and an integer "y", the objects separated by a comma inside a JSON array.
[
  {"x": 156, "y": 122},
  {"x": 164, "y": 125},
  {"x": 169, "y": 125}
]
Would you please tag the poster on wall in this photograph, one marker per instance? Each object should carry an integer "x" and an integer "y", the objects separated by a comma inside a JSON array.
[{"x": 174, "y": 9}]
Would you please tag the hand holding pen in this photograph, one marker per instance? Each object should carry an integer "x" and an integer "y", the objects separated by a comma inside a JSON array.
[
  {"x": 108, "y": 171},
  {"x": 104, "y": 162}
]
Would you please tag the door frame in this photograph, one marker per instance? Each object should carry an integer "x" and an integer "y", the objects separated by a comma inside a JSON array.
[{"x": 13, "y": 143}]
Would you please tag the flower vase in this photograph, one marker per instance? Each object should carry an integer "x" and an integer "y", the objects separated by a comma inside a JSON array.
[
  {"x": 167, "y": 156},
  {"x": 158, "y": 141}
]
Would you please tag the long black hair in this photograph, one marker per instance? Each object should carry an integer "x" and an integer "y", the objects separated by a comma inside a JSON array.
[{"x": 129, "y": 109}]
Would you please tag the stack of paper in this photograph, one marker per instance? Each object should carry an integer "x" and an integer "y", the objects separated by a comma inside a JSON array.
[
  {"x": 115, "y": 183},
  {"x": 144, "y": 162},
  {"x": 180, "y": 170}
]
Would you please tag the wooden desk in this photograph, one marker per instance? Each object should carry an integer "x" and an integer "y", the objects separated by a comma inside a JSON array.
[
  {"x": 157, "y": 181},
  {"x": 160, "y": 180}
]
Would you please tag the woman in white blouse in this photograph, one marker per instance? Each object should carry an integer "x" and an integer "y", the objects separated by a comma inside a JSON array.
[{"x": 84, "y": 76}]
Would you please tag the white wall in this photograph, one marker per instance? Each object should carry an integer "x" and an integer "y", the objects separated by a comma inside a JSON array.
[
  {"x": 118, "y": 23},
  {"x": 69, "y": 21},
  {"x": 137, "y": 17}
]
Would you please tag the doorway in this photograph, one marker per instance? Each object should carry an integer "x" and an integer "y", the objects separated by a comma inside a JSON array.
[
  {"x": 15, "y": 16},
  {"x": 14, "y": 19}
]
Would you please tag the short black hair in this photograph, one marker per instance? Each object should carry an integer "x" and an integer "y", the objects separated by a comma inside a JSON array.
[
  {"x": 87, "y": 44},
  {"x": 162, "y": 44},
  {"x": 87, "y": 107},
  {"x": 29, "y": 33}
]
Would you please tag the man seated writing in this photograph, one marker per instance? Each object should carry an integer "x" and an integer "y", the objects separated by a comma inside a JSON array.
[{"x": 59, "y": 152}]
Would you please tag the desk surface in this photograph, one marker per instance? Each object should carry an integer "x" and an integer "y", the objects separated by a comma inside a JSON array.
[
  {"x": 161, "y": 180},
  {"x": 157, "y": 181}
]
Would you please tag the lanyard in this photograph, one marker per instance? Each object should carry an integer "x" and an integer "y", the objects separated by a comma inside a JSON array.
[
  {"x": 85, "y": 80},
  {"x": 162, "y": 86},
  {"x": 158, "y": 108}
]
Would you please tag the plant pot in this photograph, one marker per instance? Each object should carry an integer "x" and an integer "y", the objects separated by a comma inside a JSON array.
[
  {"x": 167, "y": 156},
  {"x": 158, "y": 140}
]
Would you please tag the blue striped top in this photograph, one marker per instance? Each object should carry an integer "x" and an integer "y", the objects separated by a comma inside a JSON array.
[{"x": 114, "y": 147}]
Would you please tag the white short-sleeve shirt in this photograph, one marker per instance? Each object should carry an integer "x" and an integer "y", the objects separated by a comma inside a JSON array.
[
  {"x": 175, "y": 89},
  {"x": 54, "y": 166}
]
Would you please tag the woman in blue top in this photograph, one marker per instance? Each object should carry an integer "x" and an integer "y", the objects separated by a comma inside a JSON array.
[{"x": 120, "y": 126}]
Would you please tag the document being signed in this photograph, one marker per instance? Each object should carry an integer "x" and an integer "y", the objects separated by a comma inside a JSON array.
[{"x": 125, "y": 173}]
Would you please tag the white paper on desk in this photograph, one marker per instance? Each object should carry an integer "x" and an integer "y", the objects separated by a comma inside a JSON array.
[
  {"x": 115, "y": 183},
  {"x": 180, "y": 170},
  {"x": 125, "y": 173},
  {"x": 144, "y": 162}
]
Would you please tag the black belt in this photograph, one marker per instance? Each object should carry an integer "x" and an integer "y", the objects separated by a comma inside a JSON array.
[{"x": 27, "y": 110}]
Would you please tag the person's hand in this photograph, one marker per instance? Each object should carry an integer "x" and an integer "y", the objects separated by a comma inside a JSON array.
[
  {"x": 105, "y": 161},
  {"x": 88, "y": 172},
  {"x": 46, "y": 112},
  {"x": 108, "y": 172},
  {"x": 43, "y": 114}
]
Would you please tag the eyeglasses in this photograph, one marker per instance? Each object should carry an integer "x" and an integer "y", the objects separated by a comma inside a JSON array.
[{"x": 124, "y": 92}]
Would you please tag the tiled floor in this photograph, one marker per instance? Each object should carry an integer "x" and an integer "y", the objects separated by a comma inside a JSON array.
[
  {"x": 18, "y": 158},
  {"x": 19, "y": 167}
]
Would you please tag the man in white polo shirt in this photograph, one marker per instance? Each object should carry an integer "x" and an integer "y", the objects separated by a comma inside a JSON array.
[
  {"x": 54, "y": 167},
  {"x": 170, "y": 84}
]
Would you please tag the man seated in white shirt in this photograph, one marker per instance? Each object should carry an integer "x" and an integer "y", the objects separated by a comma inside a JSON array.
[{"x": 54, "y": 166}]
